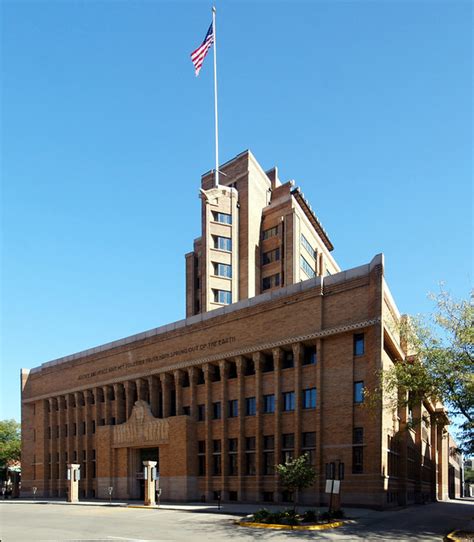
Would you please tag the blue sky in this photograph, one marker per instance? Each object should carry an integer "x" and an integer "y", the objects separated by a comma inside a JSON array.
[{"x": 106, "y": 131}]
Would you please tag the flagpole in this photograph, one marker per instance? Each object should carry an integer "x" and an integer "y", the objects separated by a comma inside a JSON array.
[{"x": 216, "y": 177}]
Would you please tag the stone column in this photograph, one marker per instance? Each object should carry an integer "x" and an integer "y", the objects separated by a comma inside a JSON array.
[
  {"x": 192, "y": 372},
  {"x": 77, "y": 421},
  {"x": 277, "y": 363},
  {"x": 116, "y": 404},
  {"x": 178, "y": 392},
  {"x": 88, "y": 400},
  {"x": 129, "y": 399},
  {"x": 138, "y": 383},
  {"x": 257, "y": 360},
  {"x": 70, "y": 426},
  {"x": 165, "y": 386},
  {"x": 319, "y": 418},
  {"x": 223, "y": 368},
  {"x": 61, "y": 445},
  {"x": 207, "y": 406},
  {"x": 108, "y": 404},
  {"x": 52, "y": 446},
  {"x": 153, "y": 387},
  {"x": 297, "y": 358},
  {"x": 239, "y": 363}
]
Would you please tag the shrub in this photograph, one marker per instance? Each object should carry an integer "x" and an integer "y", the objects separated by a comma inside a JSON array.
[
  {"x": 310, "y": 516},
  {"x": 261, "y": 515}
]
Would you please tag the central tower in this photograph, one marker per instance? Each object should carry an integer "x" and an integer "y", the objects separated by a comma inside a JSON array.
[{"x": 257, "y": 235}]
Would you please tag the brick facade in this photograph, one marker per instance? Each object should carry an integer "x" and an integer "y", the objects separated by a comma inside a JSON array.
[{"x": 222, "y": 396}]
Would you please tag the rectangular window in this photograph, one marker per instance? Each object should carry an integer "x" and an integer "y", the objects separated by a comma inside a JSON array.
[
  {"x": 268, "y": 403},
  {"x": 268, "y": 365},
  {"x": 201, "y": 413},
  {"x": 222, "y": 243},
  {"x": 270, "y": 232},
  {"x": 288, "y": 360},
  {"x": 358, "y": 435},
  {"x": 250, "y": 464},
  {"x": 309, "y": 249},
  {"x": 309, "y": 398},
  {"x": 268, "y": 455},
  {"x": 223, "y": 218},
  {"x": 250, "y": 406},
  {"x": 288, "y": 401},
  {"x": 201, "y": 457},
  {"x": 216, "y": 410},
  {"x": 359, "y": 344},
  {"x": 216, "y": 457},
  {"x": 287, "y": 447},
  {"x": 308, "y": 446},
  {"x": 93, "y": 427},
  {"x": 233, "y": 411},
  {"x": 187, "y": 411},
  {"x": 309, "y": 355},
  {"x": 359, "y": 392},
  {"x": 271, "y": 256},
  {"x": 357, "y": 459},
  {"x": 222, "y": 296},
  {"x": 271, "y": 282},
  {"x": 222, "y": 270},
  {"x": 306, "y": 267},
  {"x": 233, "y": 448}
]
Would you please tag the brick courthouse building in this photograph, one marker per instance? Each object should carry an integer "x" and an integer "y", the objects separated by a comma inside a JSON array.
[{"x": 271, "y": 361}]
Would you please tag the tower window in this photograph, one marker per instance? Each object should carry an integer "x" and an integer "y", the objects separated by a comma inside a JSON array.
[
  {"x": 222, "y": 270},
  {"x": 222, "y": 243},
  {"x": 223, "y": 218},
  {"x": 222, "y": 296},
  {"x": 271, "y": 282},
  {"x": 271, "y": 232},
  {"x": 306, "y": 267}
]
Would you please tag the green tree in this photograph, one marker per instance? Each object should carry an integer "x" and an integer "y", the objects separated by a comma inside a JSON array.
[
  {"x": 440, "y": 364},
  {"x": 296, "y": 474},
  {"x": 10, "y": 443}
]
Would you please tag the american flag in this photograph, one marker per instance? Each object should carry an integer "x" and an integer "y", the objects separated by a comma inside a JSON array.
[{"x": 200, "y": 53}]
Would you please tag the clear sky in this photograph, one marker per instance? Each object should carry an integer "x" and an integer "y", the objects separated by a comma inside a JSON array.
[{"x": 106, "y": 131}]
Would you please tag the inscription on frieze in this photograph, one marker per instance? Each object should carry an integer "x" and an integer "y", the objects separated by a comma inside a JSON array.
[
  {"x": 195, "y": 348},
  {"x": 141, "y": 428}
]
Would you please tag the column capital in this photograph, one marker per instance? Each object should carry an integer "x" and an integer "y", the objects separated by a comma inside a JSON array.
[
  {"x": 178, "y": 375},
  {"x": 239, "y": 364},
  {"x": 223, "y": 368},
  {"x": 165, "y": 378},
  {"x": 192, "y": 373}
]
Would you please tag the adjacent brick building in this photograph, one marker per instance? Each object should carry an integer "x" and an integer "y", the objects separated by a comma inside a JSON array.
[{"x": 271, "y": 362}]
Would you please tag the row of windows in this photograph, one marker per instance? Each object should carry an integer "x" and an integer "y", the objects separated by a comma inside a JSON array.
[
  {"x": 307, "y": 245},
  {"x": 308, "y": 400},
  {"x": 308, "y": 446},
  {"x": 222, "y": 269},
  {"x": 271, "y": 281},
  {"x": 306, "y": 267},
  {"x": 73, "y": 429}
]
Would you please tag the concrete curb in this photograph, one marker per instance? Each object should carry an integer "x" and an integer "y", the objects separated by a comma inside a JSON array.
[
  {"x": 320, "y": 527},
  {"x": 452, "y": 536}
]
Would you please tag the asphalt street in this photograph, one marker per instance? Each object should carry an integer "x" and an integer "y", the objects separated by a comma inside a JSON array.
[{"x": 58, "y": 522}]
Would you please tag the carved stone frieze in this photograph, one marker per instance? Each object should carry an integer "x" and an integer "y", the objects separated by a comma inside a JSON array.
[{"x": 141, "y": 428}]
